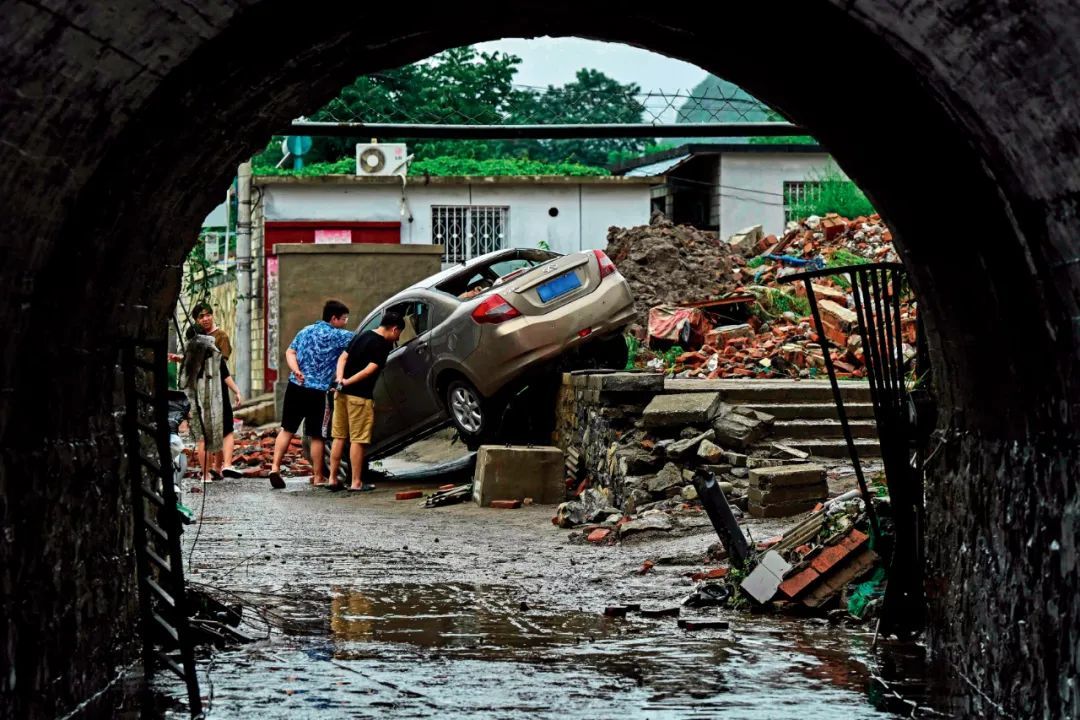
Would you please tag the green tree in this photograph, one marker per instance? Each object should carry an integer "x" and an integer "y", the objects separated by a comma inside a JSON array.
[
  {"x": 592, "y": 97},
  {"x": 460, "y": 85},
  {"x": 469, "y": 87}
]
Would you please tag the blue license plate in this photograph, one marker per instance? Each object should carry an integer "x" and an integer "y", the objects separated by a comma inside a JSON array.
[{"x": 559, "y": 286}]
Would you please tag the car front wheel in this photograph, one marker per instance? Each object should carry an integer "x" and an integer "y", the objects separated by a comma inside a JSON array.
[{"x": 468, "y": 411}]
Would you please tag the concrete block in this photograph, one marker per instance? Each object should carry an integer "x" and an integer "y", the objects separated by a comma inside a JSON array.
[
  {"x": 787, "y": 475},
  {"x": 735, "y": 459},
  {"x": 627, "y": 382},
  {"x": 737, "y": 430},
  {"x": 681, "y": 409},
  {"x": 799, "y": 493},
  {"x": 780, "y": 509},
  {"x": 670, "y": 477},
  {"x": 515, "y": 473},
  {"x": 710, "y": 453},
  {"x": 681, "y": 449}
]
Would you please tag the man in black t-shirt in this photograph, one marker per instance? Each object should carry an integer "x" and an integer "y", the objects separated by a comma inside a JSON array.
[{"x": 354, "y": 414}]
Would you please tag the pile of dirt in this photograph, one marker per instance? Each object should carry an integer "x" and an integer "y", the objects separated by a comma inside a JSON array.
[{"x": 668, "y": 264}]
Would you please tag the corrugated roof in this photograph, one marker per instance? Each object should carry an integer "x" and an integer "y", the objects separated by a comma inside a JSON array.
[{"x": 657, "y": 168}]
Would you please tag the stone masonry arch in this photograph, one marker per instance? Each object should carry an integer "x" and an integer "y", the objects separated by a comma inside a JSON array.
[{"x": 122, "y": 120}]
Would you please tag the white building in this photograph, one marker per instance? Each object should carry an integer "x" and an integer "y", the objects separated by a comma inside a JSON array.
[
  {"x": 728, "y": 187},
  {"x": 467, "y": 215}
]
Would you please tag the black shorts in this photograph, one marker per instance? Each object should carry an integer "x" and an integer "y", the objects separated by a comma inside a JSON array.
[{"x": 312, "y": 407}]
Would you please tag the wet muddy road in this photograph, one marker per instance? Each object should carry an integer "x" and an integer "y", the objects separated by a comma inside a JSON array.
[{"x": 371, "y": 607}]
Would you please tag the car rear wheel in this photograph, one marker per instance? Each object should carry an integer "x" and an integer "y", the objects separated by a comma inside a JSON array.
[{"x": 469, "y": 411}]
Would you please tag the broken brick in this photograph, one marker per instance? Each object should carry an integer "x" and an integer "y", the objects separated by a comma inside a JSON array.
[
  {"x": 596, "y": 536},
  {"x": 793, "y": 586},
  {"x": 505, "y": 504},
  {"x": 409, "y": 494},
  {"x": 832, "y": 555}
]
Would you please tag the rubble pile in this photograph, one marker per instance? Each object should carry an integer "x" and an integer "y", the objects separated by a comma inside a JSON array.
[
  {"x": 641, "y": 461},
  {"x": 667, "y": 264},
  {"x": 632, "y": 453},
  {"x": 774, "y": 335},
  {"x": 253, "y": 455},
  {"x": 824, "y": 563}
]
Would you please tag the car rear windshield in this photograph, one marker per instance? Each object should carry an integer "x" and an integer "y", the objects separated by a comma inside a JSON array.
[{"x": 478, "y": 278}]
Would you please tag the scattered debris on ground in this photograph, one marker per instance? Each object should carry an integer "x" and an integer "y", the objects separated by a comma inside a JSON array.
[
  {"x": 253, "y": 455},
  {"x": 656, "y": 463}
]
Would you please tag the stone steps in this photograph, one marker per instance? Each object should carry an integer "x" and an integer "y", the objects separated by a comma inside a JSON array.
[
  {"x": 823, "y": 429},
  {"x": 750, "y": 392},
  {"x": 814, "y": 411},
  {"x": 829, "y": 447}
]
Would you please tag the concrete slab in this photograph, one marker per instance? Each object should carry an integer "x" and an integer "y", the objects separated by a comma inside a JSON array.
[
  {"x": 681, "y": 410},
  {"x": 787, "y": 475},
  {"x": 516, "y": 472}
]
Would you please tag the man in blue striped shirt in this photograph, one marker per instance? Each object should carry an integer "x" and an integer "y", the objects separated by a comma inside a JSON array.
[{"x": 312, "y": 357}]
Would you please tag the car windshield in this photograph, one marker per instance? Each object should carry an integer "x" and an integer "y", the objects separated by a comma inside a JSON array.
[{"x": 482, "y": 277}]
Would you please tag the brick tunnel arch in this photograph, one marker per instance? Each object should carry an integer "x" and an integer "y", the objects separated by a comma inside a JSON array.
[{"x": 959, "y": 120}]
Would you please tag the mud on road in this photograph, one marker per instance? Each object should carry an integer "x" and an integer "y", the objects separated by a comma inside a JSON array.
[{"x": 372, "y": 607}]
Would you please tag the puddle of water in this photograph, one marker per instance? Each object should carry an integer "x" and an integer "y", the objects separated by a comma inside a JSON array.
[{"x": 459, "y": 649}]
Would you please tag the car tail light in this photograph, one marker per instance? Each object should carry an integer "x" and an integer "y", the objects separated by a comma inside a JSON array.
[
  {"x": 495, "y": 309},
  {"x": 606, "y": 266}
]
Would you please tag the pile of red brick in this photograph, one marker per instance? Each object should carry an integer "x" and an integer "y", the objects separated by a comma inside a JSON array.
[
  {"x": 778, "y": 343},
  {"x": 254, "y": 455}
]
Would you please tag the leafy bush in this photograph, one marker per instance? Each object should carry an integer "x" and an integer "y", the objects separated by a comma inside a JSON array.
[
  {"x": 772, "y": 303},
  {"x": 835, "y": 193},
  {"x": 501, "y": 166},
  {"x": 843, "y": 258},
  {"x": 445, "y": 166},
  {"x": 345, "y": 166}
]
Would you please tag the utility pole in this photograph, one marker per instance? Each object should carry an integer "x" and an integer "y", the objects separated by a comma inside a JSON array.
[{"x": 243, "y": 280}]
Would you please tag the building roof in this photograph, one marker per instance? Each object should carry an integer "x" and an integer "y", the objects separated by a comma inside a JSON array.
[
  {"x": 657, "y": 168},
  {"x": 683, "y": 152},
  {"x": 424, "y": 180}
]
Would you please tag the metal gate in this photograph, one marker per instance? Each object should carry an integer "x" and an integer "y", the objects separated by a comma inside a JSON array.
[{"x": 876, "y": 291}]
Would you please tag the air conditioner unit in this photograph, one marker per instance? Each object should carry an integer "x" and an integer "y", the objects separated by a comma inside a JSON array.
[
  {"x": 212, "y": 246},
  {"x": 381, "y": 158}
]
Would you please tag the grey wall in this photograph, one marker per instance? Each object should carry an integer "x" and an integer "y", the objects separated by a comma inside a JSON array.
[{"x": 361, "y": 276}]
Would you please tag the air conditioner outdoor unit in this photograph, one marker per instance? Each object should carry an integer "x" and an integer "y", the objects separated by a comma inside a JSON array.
[
  {"x": 381, "y": 158},
  {"x": 212, "y": 247}
]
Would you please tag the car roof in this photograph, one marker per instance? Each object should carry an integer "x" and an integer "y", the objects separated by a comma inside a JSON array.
[
  {"x": 426, "y": 287},
  {"x": 462, "y": 268}
]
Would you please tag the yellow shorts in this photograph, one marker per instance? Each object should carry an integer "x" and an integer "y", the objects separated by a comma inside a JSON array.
[{"x": 354, "y": 418}]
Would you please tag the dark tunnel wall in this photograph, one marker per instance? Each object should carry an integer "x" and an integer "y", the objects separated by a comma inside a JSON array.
[{"x": 123, "y": 120}]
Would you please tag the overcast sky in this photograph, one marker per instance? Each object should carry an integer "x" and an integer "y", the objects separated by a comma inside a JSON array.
[{"x": 553, "y": 61}]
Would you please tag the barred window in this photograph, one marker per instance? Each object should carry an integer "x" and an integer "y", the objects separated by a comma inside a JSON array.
[
  {"x": 468, "y": 231},
  {"x": 797, "y": 193}
]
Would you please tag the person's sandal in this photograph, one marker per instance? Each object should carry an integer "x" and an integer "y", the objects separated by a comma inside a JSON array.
[
  {"x": 215, "y": 474},
  {"x": 334, "y": 487},
  {"x": 231, "y": 472},
  {"x": 276, "y": 482}
]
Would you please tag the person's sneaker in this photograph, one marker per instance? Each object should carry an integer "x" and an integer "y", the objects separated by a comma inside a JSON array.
[
  {"x": 276, "y": 482},
  {"x": 230, "y": 472}
]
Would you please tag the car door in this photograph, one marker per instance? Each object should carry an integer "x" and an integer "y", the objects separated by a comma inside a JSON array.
[{"x": 408, "y": 368}]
